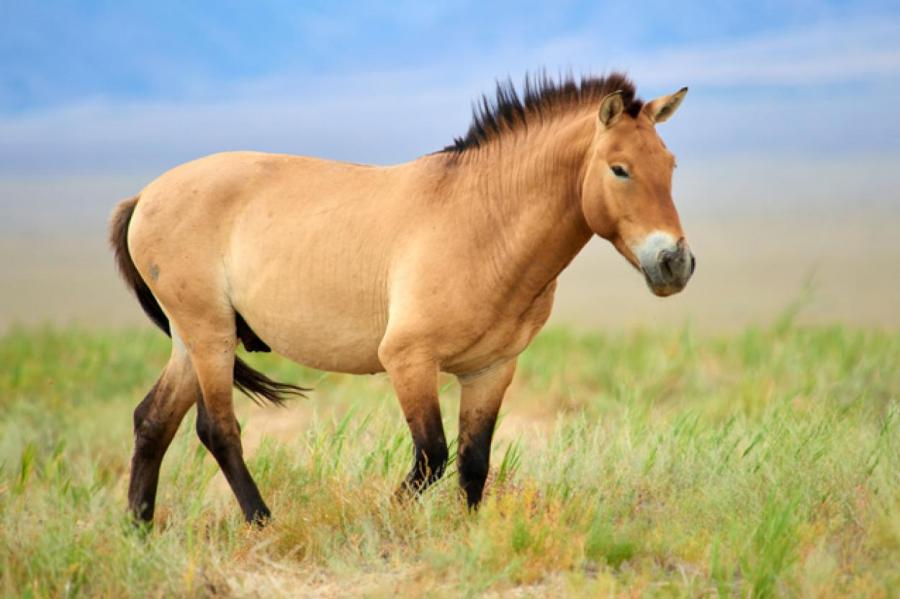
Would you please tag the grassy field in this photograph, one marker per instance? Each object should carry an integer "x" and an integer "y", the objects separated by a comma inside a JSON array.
[{"x": 765, "y": 463}]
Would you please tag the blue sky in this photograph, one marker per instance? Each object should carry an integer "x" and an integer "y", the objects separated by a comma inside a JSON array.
[
  {"x": 56, "y": 53},
  {"x": 104, "y": 86}
]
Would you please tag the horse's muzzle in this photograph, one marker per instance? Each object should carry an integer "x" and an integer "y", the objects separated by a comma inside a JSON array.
[{"x": 667, "y": 265}]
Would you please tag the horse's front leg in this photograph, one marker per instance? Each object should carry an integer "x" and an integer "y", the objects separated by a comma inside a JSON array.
[
  {"x": 414, "y": 378},
  {"x": 479, "y": 405}
]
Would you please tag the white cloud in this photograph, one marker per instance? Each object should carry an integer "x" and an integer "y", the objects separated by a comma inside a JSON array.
[
  {"x": 393, "y": 115},
  {"x": 819, "y": 55}
]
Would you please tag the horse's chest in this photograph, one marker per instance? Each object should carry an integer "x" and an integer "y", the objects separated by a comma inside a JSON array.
[{"x": 505, "y": 336}]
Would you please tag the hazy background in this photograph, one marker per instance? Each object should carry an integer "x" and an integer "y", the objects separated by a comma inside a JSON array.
[{"x": 788, "y": 143}]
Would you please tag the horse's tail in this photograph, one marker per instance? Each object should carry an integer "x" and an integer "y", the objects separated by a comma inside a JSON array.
[
  {"x": 252, "y": 383},
  {"x": 118, "y": 239}
]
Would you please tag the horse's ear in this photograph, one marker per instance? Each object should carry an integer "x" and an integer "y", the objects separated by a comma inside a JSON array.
[
  {"x": 611, "y": 108},
  {"x": 660, "y": 109}
]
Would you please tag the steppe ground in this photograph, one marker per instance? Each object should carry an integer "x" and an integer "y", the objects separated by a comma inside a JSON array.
[{"x": 738, "y": 439}]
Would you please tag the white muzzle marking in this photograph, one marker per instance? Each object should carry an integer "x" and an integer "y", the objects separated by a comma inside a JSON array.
[{"x": 667, "y": 263}]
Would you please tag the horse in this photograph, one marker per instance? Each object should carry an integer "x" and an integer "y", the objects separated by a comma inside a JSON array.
[{"x": 447, "y": 263}]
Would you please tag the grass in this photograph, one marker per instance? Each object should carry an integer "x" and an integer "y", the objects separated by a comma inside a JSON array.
[{"x": 763, "y": 463}]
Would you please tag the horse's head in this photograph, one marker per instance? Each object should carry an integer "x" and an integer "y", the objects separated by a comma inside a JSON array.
[{"x": 627, "y": 191}]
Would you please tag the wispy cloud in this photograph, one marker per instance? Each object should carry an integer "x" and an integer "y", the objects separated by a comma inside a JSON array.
[
  {"x": 793, "y": 90},
  {"x": 823, "y": 54},
  {"x": 775, "y": 118}
]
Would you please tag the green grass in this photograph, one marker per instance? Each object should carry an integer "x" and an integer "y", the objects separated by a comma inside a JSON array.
[{"x": 764, "y": 463}]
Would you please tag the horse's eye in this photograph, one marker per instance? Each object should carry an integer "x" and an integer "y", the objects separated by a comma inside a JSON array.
[{"x": 619, "y": 171}]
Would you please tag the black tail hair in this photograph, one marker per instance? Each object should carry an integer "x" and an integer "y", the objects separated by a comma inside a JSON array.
[{"x": 250, "y": 382}]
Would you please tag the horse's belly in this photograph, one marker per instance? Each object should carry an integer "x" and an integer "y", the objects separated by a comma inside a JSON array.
[
  {"x": 322, "y": 324},
  {"x": 327, "y": 343},
  {"x": 315, "y": 297},
  {"x": 354, "y": 354}
]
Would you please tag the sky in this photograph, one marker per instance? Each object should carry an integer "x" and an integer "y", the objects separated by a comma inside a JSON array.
[{"x": 127, "y": 89}]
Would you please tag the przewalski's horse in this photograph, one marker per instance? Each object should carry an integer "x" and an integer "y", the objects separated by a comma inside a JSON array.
[{"x": 446, "y": 263}]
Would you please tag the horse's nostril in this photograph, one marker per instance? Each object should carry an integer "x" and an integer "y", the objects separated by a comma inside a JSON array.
[
  {"x": 676, "y": 265},
  {"x": 666, "y": 261}
]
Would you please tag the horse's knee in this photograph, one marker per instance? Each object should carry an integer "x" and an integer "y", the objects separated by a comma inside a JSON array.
[
  {"x": 150, "y": 440},
  {"x": 143, "y": 409}
]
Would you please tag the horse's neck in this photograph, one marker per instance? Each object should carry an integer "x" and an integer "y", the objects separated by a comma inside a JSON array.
[{"x": 529, "y": 206}]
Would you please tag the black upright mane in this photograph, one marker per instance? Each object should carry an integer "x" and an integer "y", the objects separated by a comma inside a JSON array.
[{"x": 542, "y": 94}]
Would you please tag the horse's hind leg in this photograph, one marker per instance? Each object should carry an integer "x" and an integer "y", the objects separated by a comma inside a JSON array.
[
  {"x": 217, "y": 427},
  {"x": 156, "y": 420}
]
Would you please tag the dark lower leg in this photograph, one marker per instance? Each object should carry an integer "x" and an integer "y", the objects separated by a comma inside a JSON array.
[
  {"x": 152, "y": 435},
  {"x": 415, "y": 381},
  {"x": 429, "y": 454},
  {"x": 475, "y": 461},
  {"x": 479, "y": 405},
  {"x": 145, "y": 461},
  {"x": 224, "y": 442},
  {"x": 156, "y": 420}
]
